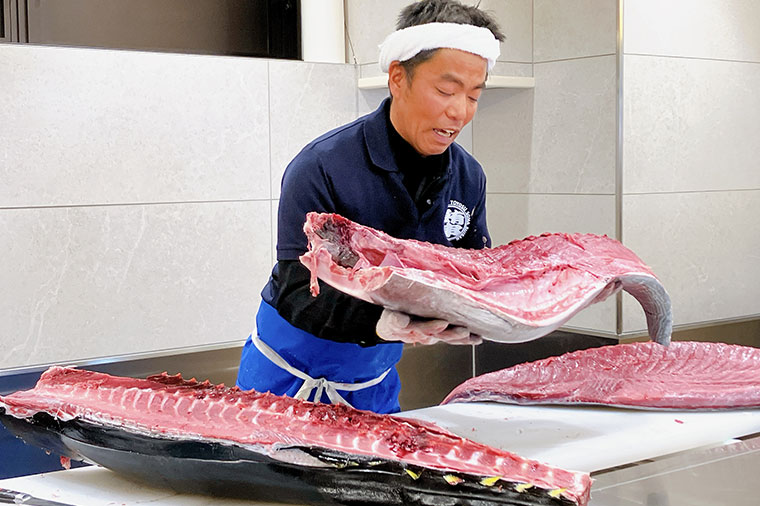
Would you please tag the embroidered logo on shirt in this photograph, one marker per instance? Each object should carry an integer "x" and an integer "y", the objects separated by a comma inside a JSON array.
[{"x": 456, "y": 221}]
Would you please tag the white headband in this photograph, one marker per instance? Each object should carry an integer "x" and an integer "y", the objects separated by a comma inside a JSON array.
[{"x": 406, "y": 43}]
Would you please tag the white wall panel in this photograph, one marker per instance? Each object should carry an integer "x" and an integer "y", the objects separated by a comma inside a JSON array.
[
  {"x": 566, "y": 29},
  {"x": 515, "y": 18},
  {"x": 515, "y": 216},
  {"x": 86, "y": 282},
  {"x": 502, "y": 133},
  {"x": 574, "y": 127},
  {"x": 690, "y": 124},
  {"x": 92, "y": 126},
  {"x": 306, "y": 100},
  {"x": 704, "y": 247},
  {"x": 718, "y": 29},
  {"x": 368, "y": 23}
]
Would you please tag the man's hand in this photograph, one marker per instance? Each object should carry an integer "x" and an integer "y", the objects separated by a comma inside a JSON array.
[{"x": 397, "y": 326}]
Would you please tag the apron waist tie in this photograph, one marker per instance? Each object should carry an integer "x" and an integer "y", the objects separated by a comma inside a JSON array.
[{"x": 310, "y": 384}]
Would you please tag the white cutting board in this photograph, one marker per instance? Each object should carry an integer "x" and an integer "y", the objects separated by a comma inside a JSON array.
[
  {"x": 589, "y": 438},
  {"x": 97, "y": 486}
]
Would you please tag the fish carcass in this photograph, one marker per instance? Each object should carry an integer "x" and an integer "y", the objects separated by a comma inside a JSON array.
[
  {"x": 685, "y": 375},
  {"x": 422, "y": 463},
  {"x": 512, "y": 293}
]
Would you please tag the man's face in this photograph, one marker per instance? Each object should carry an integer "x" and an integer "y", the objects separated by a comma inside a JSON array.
[{"x": 442, "y": 97}]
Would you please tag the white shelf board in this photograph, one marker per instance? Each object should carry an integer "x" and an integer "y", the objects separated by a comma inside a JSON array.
[
  {"x": 510, "y": 82},
  {"x": 381, "y": 81}
]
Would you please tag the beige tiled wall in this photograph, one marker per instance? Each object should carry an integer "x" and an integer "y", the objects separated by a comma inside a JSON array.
[
  {"x": 690, "y": 154},
  {"x": 515, "y": 20},
  {"x": 569, "y": 29},
  {"x": 112, "y": 127},
  {"x": 704, "y": 246},
  {"x": 139, "y": 192},
  {"x": 368, "y": 22},
  {"x": 691, "y": 124},
  {"x": 714, "y": 29},
  {"x": 91, "y": 281},
  {"x": 574, "y": 127},
  {"x": 307, "y": 100}
]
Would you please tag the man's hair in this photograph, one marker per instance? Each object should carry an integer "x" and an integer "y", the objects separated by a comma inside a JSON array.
[{"x": 442, "y": 11}]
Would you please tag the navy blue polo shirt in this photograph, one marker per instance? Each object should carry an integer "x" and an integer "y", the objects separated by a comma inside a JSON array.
[{"x": 352, "y": 171}]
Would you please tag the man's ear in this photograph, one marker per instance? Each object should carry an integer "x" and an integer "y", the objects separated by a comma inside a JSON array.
[{"x": 396, "y": 77}]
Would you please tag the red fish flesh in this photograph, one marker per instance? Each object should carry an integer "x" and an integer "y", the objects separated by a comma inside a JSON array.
[
  {"x": 516, "y": 292},
  {"x": 685, "y": 375},
  {"x": 186, "y": 409}
]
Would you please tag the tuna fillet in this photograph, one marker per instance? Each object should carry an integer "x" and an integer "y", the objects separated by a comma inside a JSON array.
[
  {"x": 289, "y": 430},
  {"x": 685, "y": 375},
  {"x": 513, "y": 293}
]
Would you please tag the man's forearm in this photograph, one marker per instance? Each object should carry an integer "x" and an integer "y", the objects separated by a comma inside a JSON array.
[{"x": 331, "y": 315}]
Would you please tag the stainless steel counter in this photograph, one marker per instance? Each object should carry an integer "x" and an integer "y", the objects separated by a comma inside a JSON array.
[{"x": 716, "y": 476}]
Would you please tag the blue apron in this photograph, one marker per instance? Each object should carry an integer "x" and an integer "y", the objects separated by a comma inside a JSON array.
[{"x": 327, "y": 363}]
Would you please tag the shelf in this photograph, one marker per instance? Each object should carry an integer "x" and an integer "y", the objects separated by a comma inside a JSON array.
[
  {"x": 381, "y": 81},
  {"x": 510, "y": 82}
]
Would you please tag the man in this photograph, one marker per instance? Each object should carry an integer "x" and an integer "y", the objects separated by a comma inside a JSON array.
[{"x": 397, "y": 170}]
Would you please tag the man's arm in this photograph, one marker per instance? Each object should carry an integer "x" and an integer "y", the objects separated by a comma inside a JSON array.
[{"x": 331, "y": 315}]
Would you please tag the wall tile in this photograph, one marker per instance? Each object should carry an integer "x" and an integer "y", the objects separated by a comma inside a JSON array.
[
  {"x": 720, "y": 29},
  {"x": 704, "y": 248},
  {"x": 556, "y": 138},
  {"x": 370, "y": 70},
  {"x": 512, "y": 69},
  {"x": 501, "y": 141},
  {"x": 572, "y": 29},
  {"x": 465, "y": 137},
  {"x": 516, "y": 216},
  {"x": 690, "y": 124},
  {"x": 369, "y": 100},
  {"x": 369, "y": 22},
  {"x": 274, "y": 207},
  {"x": 515, "y": 18},
  {"x": 90, "y": 126},
  {"x": 508, "y": 112},
  {"x": 100, "y": 281},
  {"x": 306, "y": 100},
  {"x": 574, "y": 127}
]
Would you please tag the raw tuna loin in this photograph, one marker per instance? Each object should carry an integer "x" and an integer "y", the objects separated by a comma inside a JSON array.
[
  {"x": 513, "y": 293},
  {"x": 286, "y": 429},
  {"x": 685, "y": 375}
]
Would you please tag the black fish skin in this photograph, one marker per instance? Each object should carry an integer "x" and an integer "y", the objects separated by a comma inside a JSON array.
[{"x": 229, "y": 470}]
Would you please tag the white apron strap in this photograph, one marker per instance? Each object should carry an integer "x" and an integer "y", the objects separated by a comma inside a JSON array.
[{"x": 310, "y": 384}]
